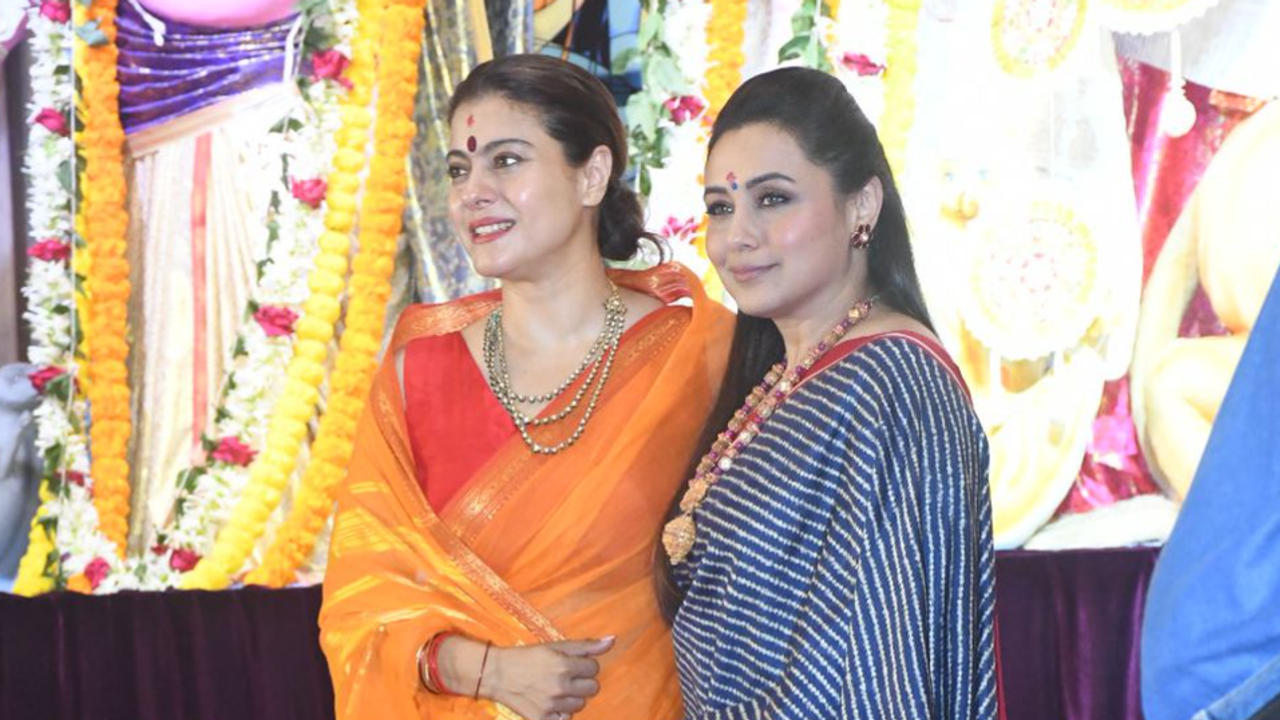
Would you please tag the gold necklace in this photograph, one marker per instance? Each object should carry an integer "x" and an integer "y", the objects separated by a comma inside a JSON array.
[
  {"x": 679, "y": 533},
  {"x": 597, "y": 365}
]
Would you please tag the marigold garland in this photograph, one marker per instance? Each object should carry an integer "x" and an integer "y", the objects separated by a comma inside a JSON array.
[
  {"x": 272, "y": 468},
  {"x": 106, "y": 222},
  {"x": 380, "y": 224},
  {"x": 726, "y": 31},
  {"x": 899, "y": 79}
]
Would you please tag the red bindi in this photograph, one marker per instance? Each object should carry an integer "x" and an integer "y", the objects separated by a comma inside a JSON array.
[
  {"x": 471, "y": 143},
  {"x": 733, "y": 180},
  {"x": 471, "y": 120}
]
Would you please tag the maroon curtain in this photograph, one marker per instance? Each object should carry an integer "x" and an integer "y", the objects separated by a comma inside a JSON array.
[{"x": 1069, "y": 624}]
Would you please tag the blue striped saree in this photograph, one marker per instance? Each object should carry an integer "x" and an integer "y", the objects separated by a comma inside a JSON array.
[{"x": 843, "y": 567}]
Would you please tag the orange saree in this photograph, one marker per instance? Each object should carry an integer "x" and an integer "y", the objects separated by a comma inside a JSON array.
[{"x": 532, "y": 548}]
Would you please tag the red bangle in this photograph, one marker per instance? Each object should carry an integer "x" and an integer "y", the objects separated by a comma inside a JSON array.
[
  {"x": 485, "y": 661},
  {"x": 433, "y": 666}
]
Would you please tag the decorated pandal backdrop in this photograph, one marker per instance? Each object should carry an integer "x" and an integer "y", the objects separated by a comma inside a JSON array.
[{"x": 228, "y": 217}]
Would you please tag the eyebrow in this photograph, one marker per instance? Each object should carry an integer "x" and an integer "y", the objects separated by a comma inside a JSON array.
[
  {"x": 489, "y": 147},
  {"x": 713, "y": 189}
]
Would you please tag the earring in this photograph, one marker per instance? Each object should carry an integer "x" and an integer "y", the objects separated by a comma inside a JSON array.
[{"x": 861, "y": 237}]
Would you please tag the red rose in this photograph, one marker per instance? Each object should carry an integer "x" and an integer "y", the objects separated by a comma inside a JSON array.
[
  {"x": 96, "y": 571},
  {"x": 183, "y": 559},
  {"x": 861, "y": 64},
  {"x": 275, "y": 320},
  {"x": 53, "y": 121},
  {"x": 329, "y": 65},
  {"x": 230, "y": 450},
  {"x": 310, "y": 192},
  {"x": 55, "y": 10},
  {"x": 75, "y": 477},
  {"x": 42, "y": 377},
  {"x": 50, "y": 250},
  {"x": 684, "y": 108},
  {"x": 159, "y": 548}
]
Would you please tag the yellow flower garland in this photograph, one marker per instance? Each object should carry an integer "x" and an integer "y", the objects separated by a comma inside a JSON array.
[
  {"x": 899, "y": 79},
  {"x": 287, "y": 428},
  {"x": 31, "y": 579},
  {"x": 106, "y": 222},
  {"x": 725, "y": 33},
  {"x": 380, "y": 220}
]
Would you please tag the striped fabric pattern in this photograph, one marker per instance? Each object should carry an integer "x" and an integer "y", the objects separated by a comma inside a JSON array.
[{"x": 844, "y": 567}]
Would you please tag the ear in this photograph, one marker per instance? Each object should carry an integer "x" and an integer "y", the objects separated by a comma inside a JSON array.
[
  {"x": 594, "y": 176},
  {"x": 863, "y": 207}
]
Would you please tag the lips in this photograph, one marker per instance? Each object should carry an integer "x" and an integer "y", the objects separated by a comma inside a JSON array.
[
  {"x": 488, "y": 229},
  {"x": 747, "y": 273}
]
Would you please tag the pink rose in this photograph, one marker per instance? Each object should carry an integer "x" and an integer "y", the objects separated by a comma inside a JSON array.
[
  {"x": 678, "y": 229},
  {"x": 275, "y": 320},
  {"x": 310, "y": 192},
  {"x": 41, "y": 378},
  {"x": 230, "y": 450},
  {"x": 53, "y": 121},
  {"x": 329, "y": 65},
  {"x": 183, "y": 559},
  {"x": 96, "y": 571},
  {"x": 861, "y": 64},
  {"x": 55, "y": 10},
  {"x": 50, "y": 250},
  {"x": 684, "y": 108}
]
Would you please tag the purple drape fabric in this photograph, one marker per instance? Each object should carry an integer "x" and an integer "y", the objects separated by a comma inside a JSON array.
[
  {"x": 1069, "y": 632},
  {"x": 195, "y": 67},
  {"x": 1069, "y": 624},
  {"x": 163, "y": 656}
]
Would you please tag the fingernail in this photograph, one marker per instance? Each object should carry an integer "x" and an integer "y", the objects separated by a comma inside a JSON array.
[{"x": 609, "y": 638}]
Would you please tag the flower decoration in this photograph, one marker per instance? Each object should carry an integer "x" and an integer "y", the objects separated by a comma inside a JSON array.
[
  {"x": 53, "y": 121},
  {"x": 310, "y": 192},
  {"x": 684, "y": 108},
  {"x": 861, "y": 64},
  {"x": 725, "y": 32},
  {"x": 330, "y": 64},
  {"x": 50, "y": 250},
  {"x": 41, "y": 378},
  {"x": 96, "y": 571},
  {"x": 400, "y": 27},
  {"x": 55, "y": 10},
  {"x": 275, "y": 321},
  {"x": 183, "y": 559},
  {"x": 233, "y": 452}
]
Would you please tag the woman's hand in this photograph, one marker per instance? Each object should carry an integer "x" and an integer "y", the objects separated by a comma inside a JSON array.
[{"x": 551, "y": 681}]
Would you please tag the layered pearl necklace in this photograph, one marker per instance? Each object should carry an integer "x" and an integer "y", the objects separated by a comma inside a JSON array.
[
  {"x": 597, "y": 364},
  {"x": 678, "y": 535}
]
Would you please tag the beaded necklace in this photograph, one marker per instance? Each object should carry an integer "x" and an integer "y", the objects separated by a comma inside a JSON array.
[
  {"x": 778, "y": 384},
  {"x": 597, "y": 364}
]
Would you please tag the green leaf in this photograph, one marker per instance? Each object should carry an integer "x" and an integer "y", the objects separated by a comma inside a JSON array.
[
  {"x": 622, "y": 61},
  {"x": 649, "y": 28},
  {"x": 65, "y": 176},
  {"x": 662, "y": 75},
  {"x": 793, "y": 48},
  {"x": 92, "y": 34}
]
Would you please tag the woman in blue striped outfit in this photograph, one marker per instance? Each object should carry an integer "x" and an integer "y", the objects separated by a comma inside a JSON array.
[{"x": 831, "y": 555}]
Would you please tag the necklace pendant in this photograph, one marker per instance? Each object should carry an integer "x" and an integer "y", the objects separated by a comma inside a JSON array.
[
  {"x": 725, "y": 463},
  {"x": 677, "y": 538}
]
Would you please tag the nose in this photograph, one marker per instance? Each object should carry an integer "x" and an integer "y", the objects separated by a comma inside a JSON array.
[
  {"x": 476, "y": 191},
  {"x": 742, "y": 231}
]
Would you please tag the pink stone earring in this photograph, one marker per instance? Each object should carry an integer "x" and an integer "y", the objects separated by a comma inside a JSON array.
[{"x": 861, "y": 237}]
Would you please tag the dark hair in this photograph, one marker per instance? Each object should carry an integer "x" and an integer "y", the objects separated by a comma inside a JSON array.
[
  {"x": 817, "y": 111},
  {"x": 579, "y": 112}
]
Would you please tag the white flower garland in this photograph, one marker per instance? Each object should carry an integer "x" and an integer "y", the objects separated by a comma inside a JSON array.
[
  {"x": 675, "y": 198},
  {"x": 50, "y": 290},
  {"x": 208, "y": 494}
]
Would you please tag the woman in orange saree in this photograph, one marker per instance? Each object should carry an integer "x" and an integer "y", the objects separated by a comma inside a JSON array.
[{"x": 534, "y": 551}]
